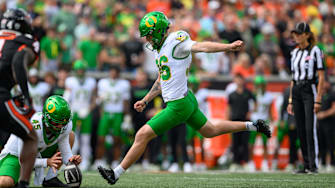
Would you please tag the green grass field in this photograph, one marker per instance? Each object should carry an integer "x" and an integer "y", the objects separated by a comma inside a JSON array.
[{"x": 210, "y": 179}]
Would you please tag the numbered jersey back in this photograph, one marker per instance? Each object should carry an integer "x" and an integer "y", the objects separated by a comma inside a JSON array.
[{"x": 10, "y": 43}]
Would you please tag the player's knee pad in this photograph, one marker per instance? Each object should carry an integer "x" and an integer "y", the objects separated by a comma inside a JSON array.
[{"x": 6, "y": 181}]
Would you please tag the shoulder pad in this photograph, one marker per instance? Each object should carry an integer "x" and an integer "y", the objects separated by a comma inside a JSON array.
[
  {"x": 182, "y": 35},
  {"x": 31, "y": 43},
  {"x": 36, "y": 116}
]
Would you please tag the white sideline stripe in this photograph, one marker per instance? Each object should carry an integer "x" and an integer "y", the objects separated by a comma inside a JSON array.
[
  {"x": 229, "y": 179},
  {"x": 257, "y": 179}
]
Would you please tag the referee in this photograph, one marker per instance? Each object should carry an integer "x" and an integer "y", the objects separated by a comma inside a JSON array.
[{"x": 305, "y": 93}]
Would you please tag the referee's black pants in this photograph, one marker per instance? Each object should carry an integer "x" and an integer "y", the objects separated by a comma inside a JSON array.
[{"x": 303, "y": 97}]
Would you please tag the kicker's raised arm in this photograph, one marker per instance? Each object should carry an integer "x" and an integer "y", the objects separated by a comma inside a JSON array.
[{"x": 210, "y": 47}]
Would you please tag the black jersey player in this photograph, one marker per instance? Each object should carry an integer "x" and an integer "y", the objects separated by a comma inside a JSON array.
[{"x": 18, "y": 51}]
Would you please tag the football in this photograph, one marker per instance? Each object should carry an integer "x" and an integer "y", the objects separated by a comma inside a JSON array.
[{"x": 72, "y": 175}]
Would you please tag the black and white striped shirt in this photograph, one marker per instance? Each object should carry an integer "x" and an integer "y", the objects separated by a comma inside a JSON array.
[{"x": 305, "y": 63}]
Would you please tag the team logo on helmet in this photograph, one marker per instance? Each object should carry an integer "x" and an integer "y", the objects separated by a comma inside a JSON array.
[
  {"x": 150, "y": 21},
  {"x": 51, "y": 107}
]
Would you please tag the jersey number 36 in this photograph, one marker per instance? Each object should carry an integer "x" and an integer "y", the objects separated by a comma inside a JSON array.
[{"x": 164, "y": 70}]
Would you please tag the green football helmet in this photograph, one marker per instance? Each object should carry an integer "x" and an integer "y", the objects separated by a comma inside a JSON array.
[
  {"x": 259, "y": 80},
  {"x": 155, "y": 24},
  {"x": 79, "y": 65},
  {"x": 56, "y": 111}
]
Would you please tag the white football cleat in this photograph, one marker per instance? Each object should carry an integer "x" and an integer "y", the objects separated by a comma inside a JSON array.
[
  {"x": 251, "y": 166},
  {"x": 187, "y": 167},
  {"x": 174, "y": 168},
  {"x": 330, "y": 168},
  {"x": 265, "y": 166},
  {"x": 165, "y": 165}
]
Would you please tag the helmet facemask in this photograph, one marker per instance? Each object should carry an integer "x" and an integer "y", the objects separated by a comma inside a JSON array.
[
  {"x": 158, "y": 38},
  {"x": 56, "y": 114},
  {"x": 53, "y": 126},
  {"x": 80, "y": 73},
  {"x": 260, "y": 84},
  {"x": 80, "y": 67}
]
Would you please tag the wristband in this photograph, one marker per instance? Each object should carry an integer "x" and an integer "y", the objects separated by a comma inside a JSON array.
[
  {"x": 318, "y": 102},
  {"x": 290, "y": 100}
]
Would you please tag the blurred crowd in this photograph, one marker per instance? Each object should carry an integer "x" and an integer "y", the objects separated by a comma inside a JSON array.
[
  {"x": 80, "y": 36},
  {"x": 104, "y": 32}
]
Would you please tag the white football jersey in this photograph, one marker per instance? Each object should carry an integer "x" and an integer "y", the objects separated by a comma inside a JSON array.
[
  {"x": 112, "y": 93},
  {"x": 38, "y": 92},
  {"x": 263, "y": 102},
  {"x": 81, "y": 93},
  {"x": 14, "y": 143},
  {"x": 173, "y": 61}
]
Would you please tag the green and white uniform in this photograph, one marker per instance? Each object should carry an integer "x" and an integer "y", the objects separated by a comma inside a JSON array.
[
  {"x": 173, "y": 61},
  {"x": 38, "y": 93},
  {"x": 264, "y": 101},
  {"x": 112, "y": 94},
  {"x": 80, "y": 101},
  {"x": 47, "y": 147},
  {"x": 81, "y": 91}
]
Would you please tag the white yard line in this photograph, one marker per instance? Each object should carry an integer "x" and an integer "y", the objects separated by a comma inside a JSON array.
[
  {"x": 258, "y": 179},
  {"x": 233, "y": 179}
]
